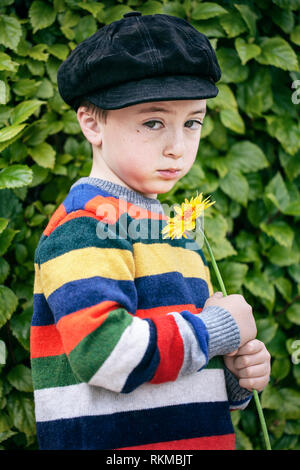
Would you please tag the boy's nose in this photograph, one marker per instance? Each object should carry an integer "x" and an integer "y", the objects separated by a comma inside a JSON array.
[{"x": 174, "y": 146}]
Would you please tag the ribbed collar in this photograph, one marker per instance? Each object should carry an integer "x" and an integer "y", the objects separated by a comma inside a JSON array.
[{"x": 151, "y": 204}]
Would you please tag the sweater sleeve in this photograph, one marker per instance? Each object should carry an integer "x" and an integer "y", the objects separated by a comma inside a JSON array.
[{"x": 89, "y": 285}]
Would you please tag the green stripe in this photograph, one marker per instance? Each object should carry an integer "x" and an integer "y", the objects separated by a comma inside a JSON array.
[
  {"x": 89, "y": 355},
  {"x": 52, "y": 371},
  {"x": 84, "y": 232}
]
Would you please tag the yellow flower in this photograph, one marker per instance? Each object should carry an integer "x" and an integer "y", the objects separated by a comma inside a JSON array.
[{"x": 186, "y": 215}]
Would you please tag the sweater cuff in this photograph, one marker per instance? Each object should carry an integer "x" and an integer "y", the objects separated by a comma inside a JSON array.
[
  {"x": 224, "y": 334},
  {"x": 237, "y": 395}
]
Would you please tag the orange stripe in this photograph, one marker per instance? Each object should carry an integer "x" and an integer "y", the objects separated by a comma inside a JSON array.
[
  {"x": 109, "y": 209},
  {"x": 164, "y": 309},
  {"x": 224, "y": 442},
  {"x": 57, "y": 216},
  {"x": 76, "y": 326},
  {"x": 45, "y": 341}
]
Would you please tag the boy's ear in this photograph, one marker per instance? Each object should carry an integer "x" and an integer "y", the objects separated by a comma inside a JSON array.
[{"x": 90, "y": 126}]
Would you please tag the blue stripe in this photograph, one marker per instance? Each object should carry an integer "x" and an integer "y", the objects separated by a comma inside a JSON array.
[
  {"x": 84, "y": 293},
  {"x": 146, "y": 369},
  {"x": 170, "y": 289},
  {"x": 200, "y": 330},
  {"x": 136, "y": 427},
  {"x": 81, "y": 194},
  {"x": 42, "y": 314}
]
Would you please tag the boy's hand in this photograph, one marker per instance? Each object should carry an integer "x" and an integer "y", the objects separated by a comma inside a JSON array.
[
  {"x": 251, "y": 365},
  {"x": 240, "y": 310}
]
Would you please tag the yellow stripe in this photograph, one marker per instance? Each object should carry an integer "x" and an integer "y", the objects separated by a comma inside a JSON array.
[
  {"x": 37, "y": 287},
  {"x": 85, "y": 263},
  {"x": 161, "y": 258}
]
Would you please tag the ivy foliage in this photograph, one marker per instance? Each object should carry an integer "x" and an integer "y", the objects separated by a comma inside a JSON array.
[{"x": 248, "y": 161}]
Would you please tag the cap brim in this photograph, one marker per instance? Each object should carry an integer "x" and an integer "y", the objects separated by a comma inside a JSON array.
[{"x": 178, "y": 87}]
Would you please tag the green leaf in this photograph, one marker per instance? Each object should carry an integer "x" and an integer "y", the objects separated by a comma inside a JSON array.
[
  {"x": 43, "y": 154},
  {"x": 248, "y": 16},
  {"x": 6, "y": 238},
  {"x": 85, "y": 28},
  {"x": 277, "y": 51},
  {"x": 285, "y": 288},
  {"x": 60, "y": 51},
  {"x": 276, "y": 191},
  {"x": 7, "y": 64},
  {"x": 233, "y": 71},
  {"x": 271, "y": 398},
  {"x": 20, "y": 327},
  {"x": 280, "y": 231},
  {"x": 283, "y": 256},
  {"x": 235, "y": 185},
  {"x": 8, "y": 304},
  {"x": 15, "y": 176},
  {"x": 259, "y": 285},
  {"x": 234, "y": 274},
  {"x": 293, "y": 313},
  {"x": 255, "y": 96},
  {"x": 3, "y": 92},
  {"x": 8, "y": 133},
  {"x": 41, "y": 15},
  {"x": 233, "y": 24},
  {"x": 290, "y": 407},
  {"x": 286, "y": 131},
  {"x": 207, "y": 10},
  {"x": 245, "y": 50},
  {"x": 70, "y": 122},
  {"x": 4, "y": 270},
  {"x": 20, "y": 378},
  {"x": 3, "y": 223},
  {"x": 280, "y": 368},
  {"x": 295, "y": 35},
  {"x": 266, "y": 329},
  {"x": 26, "y": 87},
  {"x": 231, "y": 119},
  {"x": 3, "y": 353},
  {"x": 225, "y": 99},
  {"x": 151, "y": 7},
  {"x": 23, "y": 110},
  {"x": 21, "y": 411},
  {"x": 10, "y": 31},
  {"x": 246, "y": 157}
]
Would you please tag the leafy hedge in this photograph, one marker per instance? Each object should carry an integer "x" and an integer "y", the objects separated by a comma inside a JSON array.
[{"x": 248, "y": 160}]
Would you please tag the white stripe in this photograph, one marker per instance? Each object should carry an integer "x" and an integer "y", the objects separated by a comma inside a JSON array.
[
  {"x": 86, "y": 400},
  {"x": 126, "y": 355},
  {"x": 194, "y": 358}
]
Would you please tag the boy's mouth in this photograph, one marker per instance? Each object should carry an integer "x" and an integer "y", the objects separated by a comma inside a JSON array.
[{"x": 169, "y": 173}]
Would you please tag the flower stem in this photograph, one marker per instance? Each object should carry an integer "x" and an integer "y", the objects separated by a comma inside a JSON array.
[{"x": 255, "y": 394}]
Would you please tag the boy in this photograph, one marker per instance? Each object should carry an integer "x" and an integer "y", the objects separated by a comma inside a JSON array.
[{"x": 125, "y": 340}]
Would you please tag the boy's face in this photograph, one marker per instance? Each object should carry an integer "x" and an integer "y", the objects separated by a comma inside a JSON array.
[{"x": 139, "y": 143}]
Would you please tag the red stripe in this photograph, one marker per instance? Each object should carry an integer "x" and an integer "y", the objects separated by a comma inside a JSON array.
[
  {"x": 57, "y": 216},
  {"x": 171, "y": 349},
  {"x": 45, "y": 341},
  {"x": 224, "y": 442},
  {"x": 164, "y": 309}
]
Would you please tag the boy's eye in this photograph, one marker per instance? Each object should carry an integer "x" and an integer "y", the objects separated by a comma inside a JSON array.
[
  {"x": 195, "y": 121},
  {"x": 152, "y": 123}
]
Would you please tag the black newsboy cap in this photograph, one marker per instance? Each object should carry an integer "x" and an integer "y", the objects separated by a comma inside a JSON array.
[{"x": 139, "y": 59}]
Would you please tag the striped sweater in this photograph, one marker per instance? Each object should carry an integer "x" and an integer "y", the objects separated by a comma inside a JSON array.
[{"x": 123, "y": 354}]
